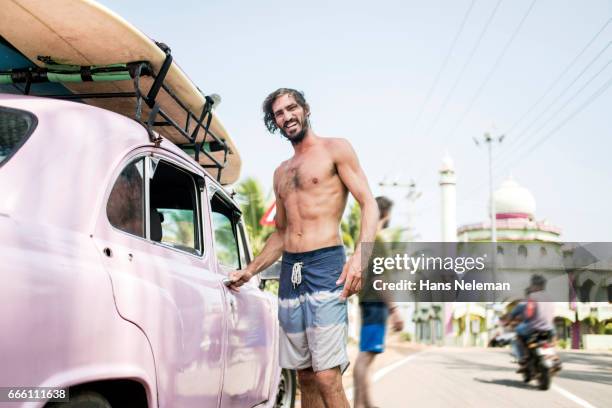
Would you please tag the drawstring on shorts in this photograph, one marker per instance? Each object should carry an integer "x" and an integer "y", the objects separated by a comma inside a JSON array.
[{"x": 296, "y": 274}]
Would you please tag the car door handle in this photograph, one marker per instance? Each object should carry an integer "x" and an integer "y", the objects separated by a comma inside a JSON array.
[
  {"x": 232, "y": 300},
  {"x": 232, "y": 303}
]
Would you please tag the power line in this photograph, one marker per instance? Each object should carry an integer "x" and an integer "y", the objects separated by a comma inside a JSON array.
[
  {"x": 553, "y": 131},
  {"x": 446, "y": 59},
  {"x": 411, "y": 198},
  {"x": 590, "y": 100},
  {"x": 514, "y": 145},
  {"x": 567, "y": 102},
  {"x": 514, "y": 141},
  {"x": 552, "y": 85},
  {"x": 505, "y": 165},
  {"x": 554, "y": 101},
  {"x": 437, "y": 78},
  {"x": 489, "y": 74},
  {"x": 492, "y": 71},
  {"x": 463, "y": 68},
  {"x": 573, "y": 97}
]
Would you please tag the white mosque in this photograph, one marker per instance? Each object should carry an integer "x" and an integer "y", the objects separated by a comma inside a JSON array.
[
  {"x": 578, "y": 324},
  {"x": 515, "y": 209}
]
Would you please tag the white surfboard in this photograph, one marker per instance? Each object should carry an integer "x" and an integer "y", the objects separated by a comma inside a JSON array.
[{"x": 85, "y": 33}]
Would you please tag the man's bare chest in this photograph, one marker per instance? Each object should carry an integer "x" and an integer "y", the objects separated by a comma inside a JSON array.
[{"x": 307, "y": 175}]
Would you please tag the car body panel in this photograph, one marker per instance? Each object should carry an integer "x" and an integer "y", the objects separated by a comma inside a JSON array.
[
  {"x": 184, "y": 313},
  {"x": 152, "y": 313},
  {"x": 251, "y": 364},
  {"x": 48, "y": 300}
]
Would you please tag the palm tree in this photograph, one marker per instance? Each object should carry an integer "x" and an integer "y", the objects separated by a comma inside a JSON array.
[
  {"x": 253, "y": 205},
  {"x": 350, "y": 226}
]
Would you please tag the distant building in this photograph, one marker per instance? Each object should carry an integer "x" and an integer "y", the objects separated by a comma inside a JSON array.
[
  {"x": 515, "y": 209},
  {"x": 448, "y": 191},
  {"x": 578, "y": 323}
]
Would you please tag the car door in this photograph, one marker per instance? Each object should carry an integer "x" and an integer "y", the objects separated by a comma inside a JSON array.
[
  {"x": 251, "y": 357},
  {"x": 151, "y": 238}
]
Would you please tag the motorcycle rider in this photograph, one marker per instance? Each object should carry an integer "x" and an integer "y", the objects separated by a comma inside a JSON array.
[{"x": 536, "y": 313}]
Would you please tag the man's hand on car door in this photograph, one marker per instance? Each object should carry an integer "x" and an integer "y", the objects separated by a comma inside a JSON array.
[{"x": 238, "y": 278}]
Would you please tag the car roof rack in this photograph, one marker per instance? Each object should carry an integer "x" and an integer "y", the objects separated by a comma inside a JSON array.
[{"x": 58, "y": 73}]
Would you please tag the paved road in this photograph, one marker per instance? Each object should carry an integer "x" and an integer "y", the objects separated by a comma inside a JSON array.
[{"x": 472, "y": 377}]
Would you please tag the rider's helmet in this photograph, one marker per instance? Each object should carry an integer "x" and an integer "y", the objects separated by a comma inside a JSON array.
[{"x": 538, "y": 282}]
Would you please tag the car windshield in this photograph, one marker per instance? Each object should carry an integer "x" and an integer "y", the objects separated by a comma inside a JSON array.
[{"x": 15, "y": 127}]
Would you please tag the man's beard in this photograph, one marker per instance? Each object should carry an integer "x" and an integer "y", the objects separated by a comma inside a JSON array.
[{"x": 299, "y": 136}]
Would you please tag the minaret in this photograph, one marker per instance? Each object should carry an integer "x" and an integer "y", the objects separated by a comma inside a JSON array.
[
  {"x": 449, "y": 200},
  {"x": 449, "y": 224}
]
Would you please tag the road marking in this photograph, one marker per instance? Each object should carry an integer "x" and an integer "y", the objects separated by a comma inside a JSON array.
[
  {"x": 386, "y": 370},
  {"x": 572, "y": 397}
]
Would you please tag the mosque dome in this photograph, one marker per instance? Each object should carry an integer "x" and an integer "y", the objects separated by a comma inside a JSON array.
[{"x": 513, "y": 201}]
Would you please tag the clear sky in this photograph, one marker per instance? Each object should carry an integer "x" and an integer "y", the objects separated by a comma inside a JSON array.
[{"x": 405, "y": 81}]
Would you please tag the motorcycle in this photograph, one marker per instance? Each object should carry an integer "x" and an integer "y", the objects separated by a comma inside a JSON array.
[{"x": 542, "y": 361}]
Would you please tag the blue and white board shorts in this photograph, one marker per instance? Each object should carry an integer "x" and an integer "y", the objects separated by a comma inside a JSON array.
[{"x": 313, "y": 320}]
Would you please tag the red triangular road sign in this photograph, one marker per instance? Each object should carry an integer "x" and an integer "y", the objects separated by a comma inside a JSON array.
[{"x": 268, "y": 217}]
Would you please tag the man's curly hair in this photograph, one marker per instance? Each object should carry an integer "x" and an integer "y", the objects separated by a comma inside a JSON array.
[{"x": 267, "y": 105}]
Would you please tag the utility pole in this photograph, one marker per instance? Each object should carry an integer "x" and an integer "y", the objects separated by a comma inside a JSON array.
[
  {"x": 407, "y": 309},
  {"x": 412, "y": 196},
  {"x": 490, "y": 140},
  {"x": 448, "y": 200}
]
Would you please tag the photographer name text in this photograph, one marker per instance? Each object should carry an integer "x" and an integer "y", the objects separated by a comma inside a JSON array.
[{"x": 422, "y": 285}]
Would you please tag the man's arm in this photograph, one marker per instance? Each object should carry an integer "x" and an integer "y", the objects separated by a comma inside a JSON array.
[
  {"x": 272, "y": 249},
  {"x": 397, "y": 323},
  {"x": 518, "y": 311},
  {"x": 355, "y": 180},
  {"x": 515, "y": 316},
  {"x": 381, "y": 250}
]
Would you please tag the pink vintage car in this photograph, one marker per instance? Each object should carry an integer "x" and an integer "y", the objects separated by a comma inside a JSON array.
[{"x": 113, "y": 253}]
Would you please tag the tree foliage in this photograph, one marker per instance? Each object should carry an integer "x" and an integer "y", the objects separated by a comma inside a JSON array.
[
  {"x": 253, "y": 205},
  {"x": 350, "y": 226}
]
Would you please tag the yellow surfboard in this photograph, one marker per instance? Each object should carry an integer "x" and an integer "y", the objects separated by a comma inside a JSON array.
[{"x": 85, "y": 33}]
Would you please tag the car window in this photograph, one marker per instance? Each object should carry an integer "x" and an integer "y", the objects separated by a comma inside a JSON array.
[
  {"x": 125, "y": 206},
  {"x": 225, "y": 233},
  {"x": 244, "y": 257},
  {"x": 225, "y": 240},
  {"x": 15, "y": 127},
  {"x": 174, "y": 208}
]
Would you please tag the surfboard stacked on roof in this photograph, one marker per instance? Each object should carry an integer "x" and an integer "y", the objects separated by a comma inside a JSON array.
[{"x": 92, "y": 51}]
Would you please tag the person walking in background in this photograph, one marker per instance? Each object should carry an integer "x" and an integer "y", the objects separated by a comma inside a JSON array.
[{"x": 376, "y": 308}]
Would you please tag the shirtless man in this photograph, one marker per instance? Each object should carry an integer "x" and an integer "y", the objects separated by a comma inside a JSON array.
[{"x": 311, "y": 190}]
